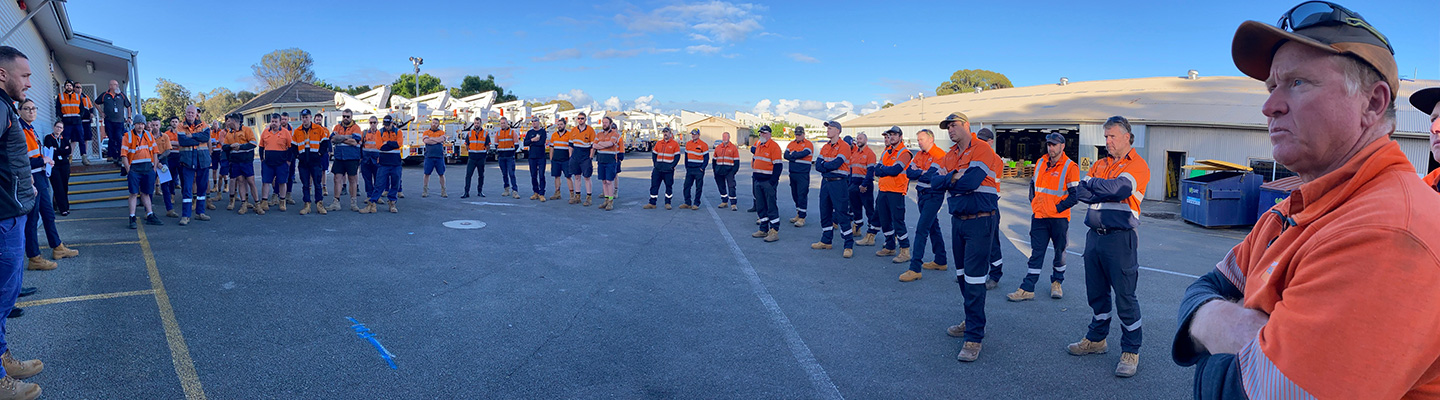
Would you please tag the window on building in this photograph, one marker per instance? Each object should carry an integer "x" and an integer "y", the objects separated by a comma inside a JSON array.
[
  {"x": 250, "y": 122},
  {"x": 1270, "y": 170}
]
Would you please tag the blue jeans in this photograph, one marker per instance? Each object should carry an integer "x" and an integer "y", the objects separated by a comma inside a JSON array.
[
  {"x": 12, "y": 269},
  {"x": 194, "y": 183},
  {"x": 507, "y": 173},
  {"x": 43, "y": 211},
  {"x": 387, "y": 179},
  {"x": 537, "y": 175}
]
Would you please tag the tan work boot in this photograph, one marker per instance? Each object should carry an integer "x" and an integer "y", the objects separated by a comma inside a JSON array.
[
  {"x": 183, "y": 221},
  {"x": 903, "y": 256},
  {"x": 667, "y": 206},
  {"x": 260, "y": 211},
  {"x": 799, "y": 222},
  {"x": 587, "y": 201},
  {"x": 759, "y": 234},
  {"x": 555, "y": 196},
  {"x": 534, "y": 196},
  {"x": 574, "y": 198},
  {"x": 821, "y": 246},
  {"x": 652, "y": 207},
  {"x": 62, "y": 252},
  {"x": 1086, "y": 347},
  {"x": 869, "y": 240},
  {"x": 244, "y": 208},
  {"x": 40, "y": 264},
  {"x": 172, "y": 214},
  {"x": 956, "y": 330},
  {"x": 369, "y": 208},
  {"x": 506, "y": 193},
  {"x": 968, "y": 353},
  {"x": 773, "y": 235},
  {"x": 723, "y": 205},
  {"x": 321, "y": 210},
  {"x": 353, "y": 207},
  {"x": 290, "y": 201},
  {"x": 1020, "y": 295},
  {"x": 541, "y": 197},
  {"x": 393, "y": 210},
  {"x": 734, "y": 208},
  {"x": 792, "y": 219},
  {"x": 283, "y": 202},
  {"x": 209, "y": 205},
  {"x": 306, "y": 209},
  {"x": 884, "y": 252},
  {"x": 514, "y": 194},
  {"x": 231, "y": 206},
  {"x": 20, "y": 369},
  {"x": 1055, "y": 291},
  {"x": 334, "y": 205},
  {"x": 11, "y": 388},
  {"x": 909, "y": 276},
  {"x": 202, "y": 217},
  {"x": 848, "y": 253},
  {"x": 609, "y": 204},
  {"x": 1128, "y": 366},
  {"x": 933, "y": 266}
]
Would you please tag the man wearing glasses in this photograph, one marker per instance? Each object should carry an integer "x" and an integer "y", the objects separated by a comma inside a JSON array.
[{"x": 1332, "y": 294}]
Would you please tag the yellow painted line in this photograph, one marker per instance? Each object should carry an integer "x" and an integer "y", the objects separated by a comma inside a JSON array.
[
  {"x": 100, "y": 244},
  {"x": 83, "y": 298},
  {"x": 179, "y": 352},
  {"x": 90, "y": 219}
]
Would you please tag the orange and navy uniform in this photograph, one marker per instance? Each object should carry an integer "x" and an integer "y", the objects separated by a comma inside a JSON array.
[
  {"x": 242, "y": 144},
  {"x": 801, "y": 154},
  {"x": 506, "y": 142},
  {"x": 976, "y": 188},
  {"x": 276, "y": 146},
  {"x": 32, "y": 148},
  {"x": 862, "y": 168},
  {"x": 1433, "y": 179},
  {"x": 162, "y": 148},
  {"x": 608, "y": 154},
  {"x": 370, "y": 146},
  {"x": 835, "y": 160},
  {"x": 1349, "y": 264},
  {"x": 389, "y": 140},
  {"x": 307, "y": 142},
  {"x": 1114, "y": 190},
  {"x": 582, "y": 139},
  {"x": 477, "y": 141},
  {"x": 765, "y": 162},
  {"x": 697, "y": 154},
  {"x": 666, "y": 153},
  {"x": 436, "y": 150},
  {"x": 346, "y": 151},
  {"x": 1050, "y": 192},
  {"x": 70, "y": 105},
  {"x": 923, "y": 169},
  {"x": 560, "y": 146},
  {"x": 138, "y": 147},
  {"x": 727, "y": 155},
  {"x": 891, "y": 170}
]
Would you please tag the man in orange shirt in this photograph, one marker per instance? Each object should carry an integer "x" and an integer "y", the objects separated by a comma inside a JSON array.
[
  {"x": 138, "y": 159},
  {"x": 765, "y": 168},
  {"x": 923, "y": 168},
  {"x": 664, "y": 156},
  {"x": 607, "y": 153},
  {"x": 239, "y": 147},
  {"x": 862, "y": 190},
  {"x": 434, "y": 140},
  {"x": 275, "y": 146},
  {"x": 582, "y": 143},
  {"x": 697, "y": 156},
  {"x": 970, "y": 179},
  {"x": 172, "y": 164},
  {"x": 507, "y": 143},
  {"x": 311, "y": 142},
  {"x": 890, "y": 201},
  {"x": 1332, "y": 294},
  {"x": 560, "y": 156},
  {"x": 727, "y": 164},
  {"x": 1425, "y": 100},
  {"x": 477, "y": 152},
  {"x": 369, "y": 158},
  {"x": 834, "y": 169},
  {"x": 801, "y": 155},
  {"x": 1050, "y": 203},
  {"x": 194, "y": 137}
]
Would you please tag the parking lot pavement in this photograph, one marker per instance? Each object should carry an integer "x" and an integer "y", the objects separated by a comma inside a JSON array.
[{"x": 550, "y": 300}]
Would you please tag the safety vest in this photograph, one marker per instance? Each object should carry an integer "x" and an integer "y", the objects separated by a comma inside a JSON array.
[
  {"x": 799, "y": 145},
  {"x": 726, "y": 154},
  {"x": 864, "y": 159},
  {"x": 581, "y": 139},
  {"x": 138, "y": 147},
  {"x": 308, "y": 140},
  {"x": 667, "y": 151},
  {"x": 766, "y": 155},
  {"x": 505, "y": 140},
  {"x": 193, "y": 129},
  {"x": 1052, "y": 185},
  {"x": 695, "y": 151},
  {"x": 1130, "y": 167},
  {"x": 477, "y": 140},
  {"x": 895, "y": 155},
  {"x": 370, "y": 140},
  {"x": 837, "y": 150},
  {"x": 32, "y": 149},
  {"x": 977, "y": 155},
  {"x": 70, "y": 104},
  {"x": 923, "y": 160}
]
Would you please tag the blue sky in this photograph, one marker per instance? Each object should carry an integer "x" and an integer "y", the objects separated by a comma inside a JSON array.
[{"x": 815, "y": 58}]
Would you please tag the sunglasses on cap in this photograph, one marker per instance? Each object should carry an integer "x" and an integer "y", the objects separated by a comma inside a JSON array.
[{"x": 1321, "y": 13}]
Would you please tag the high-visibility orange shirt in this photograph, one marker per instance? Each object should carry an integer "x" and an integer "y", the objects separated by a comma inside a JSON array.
[
  {"x": 1131, "y": 167},
  {"x": 560, "y": 140},
  {"x": 505, "y": 140},
  {"x": 1052, "y": 184},
  {"x": 864, "y": 159},
  {"x": 666, "y": 151},
  {"x": 1356, "y": 255},
  {"x": 174, "y": 139},
  {"x": 612, "y": 136},
  {"x": 371, "y": 140},
  {"x": 977, "y": 155},
  {"x": 72, "y": 103},
  {"x": 279, "y": 140},
  {"x": 342, "y": 130},
  {"x": 923, "y": 160},
  {"x": 137, "y": 147},
  {"x": 308, "y": 140},
  {"x": 695, "y": 151},
  {"x": 801, "y": 144},
  {"x": 32, "y": 145},
  {"x": 1433, "y": 179},
  {"x": 581, "y": 139},
  {"x": 239, "y": 136},
  {"x": 727, "y": 154},
  {"x": 894, "y": 155},
  {"x": 766, "y": 155},
  {"x": 838, "y": 150},
  {"x": 477, "y": 140},
  {"x": 193, "y": 129}
]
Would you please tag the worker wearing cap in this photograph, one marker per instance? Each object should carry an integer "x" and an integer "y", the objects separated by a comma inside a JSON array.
[
  {"x": 275, "y": 144},
  {"x": 697, "y": 156},
  {"x": 608, "y": 148},
  {"x": 997, "y": 259},
  {"x": 560, "y": 156},
  {"x": 1113, "y": 189},
  {"x": 194, "y": 138},
  {"x": 890, "y": 201},
  {"x": 477, "y": 152},
  {"x": 1425, "y": 100},
  {"x": 369, "y": 158},
  {"x": 727, "y": 164},
  {"x": 801, "y": 155},
  {"x": 434, "y": 140},
  {"x": 765, "y": 169},
  {"x": 387, "y": 177},
  {"x": 664, "y": 156},
  {"x": 834, "y": 169},
  {"x": 1050, "y": 202},
  {"x": 507, "y": 142},
  {"x": 346, "y": 140},
  {"x": 923, "y": 168},
  {"x": 1332, "y": 294},
  {"x": 971, "y": 181},
  {"x": 172, "y": 164},
  {"x": 307, "y": 140},
  {"x": 582, "y": 142},
  {"x": 139, "y": 162},
  {"x": 862, "y": 190},
  {"x": 535, "y": 141},
  {"x": 239, "y": 147}
]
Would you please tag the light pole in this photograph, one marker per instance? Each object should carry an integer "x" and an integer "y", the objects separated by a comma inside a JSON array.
[{"x": 417, "y": 61}]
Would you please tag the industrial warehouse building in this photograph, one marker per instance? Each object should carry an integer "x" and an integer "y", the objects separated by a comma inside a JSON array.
[{"x": 1176, "y": 120}]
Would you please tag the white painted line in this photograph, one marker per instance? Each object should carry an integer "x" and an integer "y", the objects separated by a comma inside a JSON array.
[
  {"x": 818, "y": 378},
  {"x": 1163, "y": 271}
]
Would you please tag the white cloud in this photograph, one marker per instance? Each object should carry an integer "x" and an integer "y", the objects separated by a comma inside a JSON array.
[
  {"x": 719, "y": 21},
  {"x": 563, "y": 54},
  {"x": 822, "y": 110},
  {"x": 613, "y": 53},
  {"x": 612, "y": 104},
  {"x": 645, "y": 103},
  {"x": 702, "y": 49},
  {"x": 872, "y": 107},
  {"x": 802, "y": 58},
  {"x": 761, "y": 107},
  {"x": 577, "y": 97}
]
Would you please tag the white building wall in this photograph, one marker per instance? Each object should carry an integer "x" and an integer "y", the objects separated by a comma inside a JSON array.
[
  {"x": 1418, "y": 151},
  {"x": 45, "y": 78},
  {"x": 1230, "y": 145}
]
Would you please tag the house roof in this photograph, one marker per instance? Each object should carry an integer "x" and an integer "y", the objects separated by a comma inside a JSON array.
[
  {"x": 294, "y": 92},
  {"x": 711, "y": 121}
]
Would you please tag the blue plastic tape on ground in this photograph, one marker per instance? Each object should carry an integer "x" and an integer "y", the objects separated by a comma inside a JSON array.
[{"x": 364, "y": 333}]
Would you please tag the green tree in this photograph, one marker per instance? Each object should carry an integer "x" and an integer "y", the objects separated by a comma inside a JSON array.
[
  {"x": 170, "y": 101},
  {"x": 281, "y": 67},
  {"x": 564, "y": 105},
  {"x": 245, "y": 96},
  {"x": 966, "y": 80},
  {"x": 217, "y": 103},
  {"x": 404, "y": 86},
  {"x": 887, "y": 105},
  {"x": 473, "y": 85},
  {"x": 348, "y": 89}
]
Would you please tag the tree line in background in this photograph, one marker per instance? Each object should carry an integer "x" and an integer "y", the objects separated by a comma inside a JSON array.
[{"x": 282, "y": 67}]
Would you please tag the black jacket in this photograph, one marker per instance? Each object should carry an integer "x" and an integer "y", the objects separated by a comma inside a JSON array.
[{"x": 17, "y": 191}]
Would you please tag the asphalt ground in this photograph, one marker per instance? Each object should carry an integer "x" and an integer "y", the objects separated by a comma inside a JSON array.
[{"x": 550, "y": 300}]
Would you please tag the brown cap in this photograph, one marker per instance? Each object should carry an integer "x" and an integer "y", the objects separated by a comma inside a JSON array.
[
  {"x": 1255, "y": 44},
  {"x": 953, "y": 117}
]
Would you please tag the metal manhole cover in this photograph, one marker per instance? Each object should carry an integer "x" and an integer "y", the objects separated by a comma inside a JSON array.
[{"x": 464, "y": 224}]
